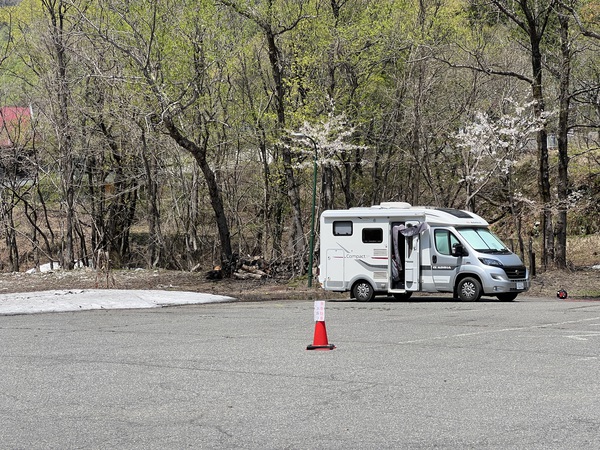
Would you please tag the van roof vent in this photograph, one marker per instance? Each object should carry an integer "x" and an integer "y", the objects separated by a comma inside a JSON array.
[{"x": 395, "y": 205}]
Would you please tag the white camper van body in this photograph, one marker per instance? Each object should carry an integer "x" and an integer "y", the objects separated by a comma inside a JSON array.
[{"x": 395, "y": 248}]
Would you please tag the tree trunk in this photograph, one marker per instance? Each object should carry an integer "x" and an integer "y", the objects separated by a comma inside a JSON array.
[
  {"x": 56, "y": 11},
  {"x": 155, "y": 244},
  {"x": 10, "y": 232},
  {"x": 297, "y": 241},
  {"x": 542, "y": 148},
  {"x": 327, "y": 187},
  {"x": 563, "y": 144},
  {"x": 199, "y": 154}
]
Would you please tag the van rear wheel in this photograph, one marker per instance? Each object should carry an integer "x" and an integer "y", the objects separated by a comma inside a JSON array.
[
  {"x": 469, "y": 289},
  {"x": 363, "y": 291}
]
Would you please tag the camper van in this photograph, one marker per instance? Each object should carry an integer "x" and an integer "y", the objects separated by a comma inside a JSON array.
[{"x": 397, "y": 249}]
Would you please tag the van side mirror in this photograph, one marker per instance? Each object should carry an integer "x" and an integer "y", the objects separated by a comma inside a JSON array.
[{"x": 459, "y": 250}]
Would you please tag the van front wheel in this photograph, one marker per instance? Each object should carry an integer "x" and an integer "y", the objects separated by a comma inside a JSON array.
[
  {"x": 363, "y": 291},
  {"x": 469, "y": 289}
]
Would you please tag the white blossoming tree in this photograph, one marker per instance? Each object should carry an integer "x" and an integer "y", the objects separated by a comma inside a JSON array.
[
  {"x": 328, "y": 144},
  {"x": 490, "y": 148}
]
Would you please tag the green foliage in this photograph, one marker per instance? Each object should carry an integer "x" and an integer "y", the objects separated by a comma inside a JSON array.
[{"x": 406, "y": 76}]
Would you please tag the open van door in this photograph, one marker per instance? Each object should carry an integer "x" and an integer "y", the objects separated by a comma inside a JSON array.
[{"x": 412, "y": 260}]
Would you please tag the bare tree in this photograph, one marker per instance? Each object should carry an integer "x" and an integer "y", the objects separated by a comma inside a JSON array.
[
  {"x": 273, "y": 25},
  {"x": 177, "y": 102},
  {"x": 57, "y": 11}
]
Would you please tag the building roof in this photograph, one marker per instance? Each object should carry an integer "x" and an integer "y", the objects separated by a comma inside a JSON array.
[{"x": 15, "y": 126}]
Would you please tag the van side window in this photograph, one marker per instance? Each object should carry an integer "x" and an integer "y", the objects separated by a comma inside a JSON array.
[
  {"x": 372, "y": 235},
  {"x": 444, "y": 240},
  {"x": 342, "y": 228}
]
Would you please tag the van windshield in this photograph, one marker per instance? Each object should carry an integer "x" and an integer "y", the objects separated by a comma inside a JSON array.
[{"x": 483, "y": 240}]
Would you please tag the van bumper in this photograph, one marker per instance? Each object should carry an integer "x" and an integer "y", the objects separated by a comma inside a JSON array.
[{"x": 500, "y": 286}]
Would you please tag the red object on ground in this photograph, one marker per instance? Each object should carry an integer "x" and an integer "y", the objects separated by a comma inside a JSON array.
[{"x": 320, "y": 339}]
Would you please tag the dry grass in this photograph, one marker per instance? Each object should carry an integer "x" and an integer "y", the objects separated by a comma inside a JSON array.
[
  {"x": 584, "y": 251},
  {"x": 581, "y": 281}
]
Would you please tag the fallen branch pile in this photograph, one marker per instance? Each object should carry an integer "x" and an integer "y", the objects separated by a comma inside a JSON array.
[
  {"x": 256, "y": 268},
  {"x": 245, "y": 272}
]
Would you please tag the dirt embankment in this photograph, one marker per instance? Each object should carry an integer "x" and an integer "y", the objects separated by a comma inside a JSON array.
[{"x": 582, "y": 283}]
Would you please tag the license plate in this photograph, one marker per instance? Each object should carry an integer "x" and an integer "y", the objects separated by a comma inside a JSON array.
[{"x": 520, "y": 285}]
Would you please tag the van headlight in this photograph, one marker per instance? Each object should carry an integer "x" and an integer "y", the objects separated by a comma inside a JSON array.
[{"x": 491, "y": 262}]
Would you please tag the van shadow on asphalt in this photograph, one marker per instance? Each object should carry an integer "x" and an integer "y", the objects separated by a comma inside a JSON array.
[{"x": 421, "y": 299}]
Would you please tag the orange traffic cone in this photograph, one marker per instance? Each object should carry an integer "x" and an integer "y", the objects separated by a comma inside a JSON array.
[{"x": 320, "y": 339}]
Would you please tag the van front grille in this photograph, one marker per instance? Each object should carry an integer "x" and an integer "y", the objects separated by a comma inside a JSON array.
[{"x": 515, "y": 272}]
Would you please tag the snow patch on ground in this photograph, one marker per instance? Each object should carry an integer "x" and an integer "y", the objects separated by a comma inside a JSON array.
[{"x": 88, "y": 299}]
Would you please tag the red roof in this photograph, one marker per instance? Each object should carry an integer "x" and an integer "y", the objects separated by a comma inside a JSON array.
[{"x": 15, "y": 126}]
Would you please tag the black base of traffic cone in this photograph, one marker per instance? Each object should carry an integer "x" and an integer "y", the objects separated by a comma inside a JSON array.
[
  {"x": 320, "y": 339},
  {"x": 320, "y": 347}
]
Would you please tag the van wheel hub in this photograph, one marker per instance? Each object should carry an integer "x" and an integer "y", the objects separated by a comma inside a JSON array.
[
  {"x": 469, "y": 289},
  {"x": 363, "y": 292}
]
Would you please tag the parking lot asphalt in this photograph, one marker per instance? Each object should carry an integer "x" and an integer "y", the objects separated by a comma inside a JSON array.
[{"x": 425, "y": 373}]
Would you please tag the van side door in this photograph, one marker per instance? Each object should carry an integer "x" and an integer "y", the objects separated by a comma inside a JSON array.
[
  {"x": 444, "y": 265},
  {"x": 412, "y": 260}
]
